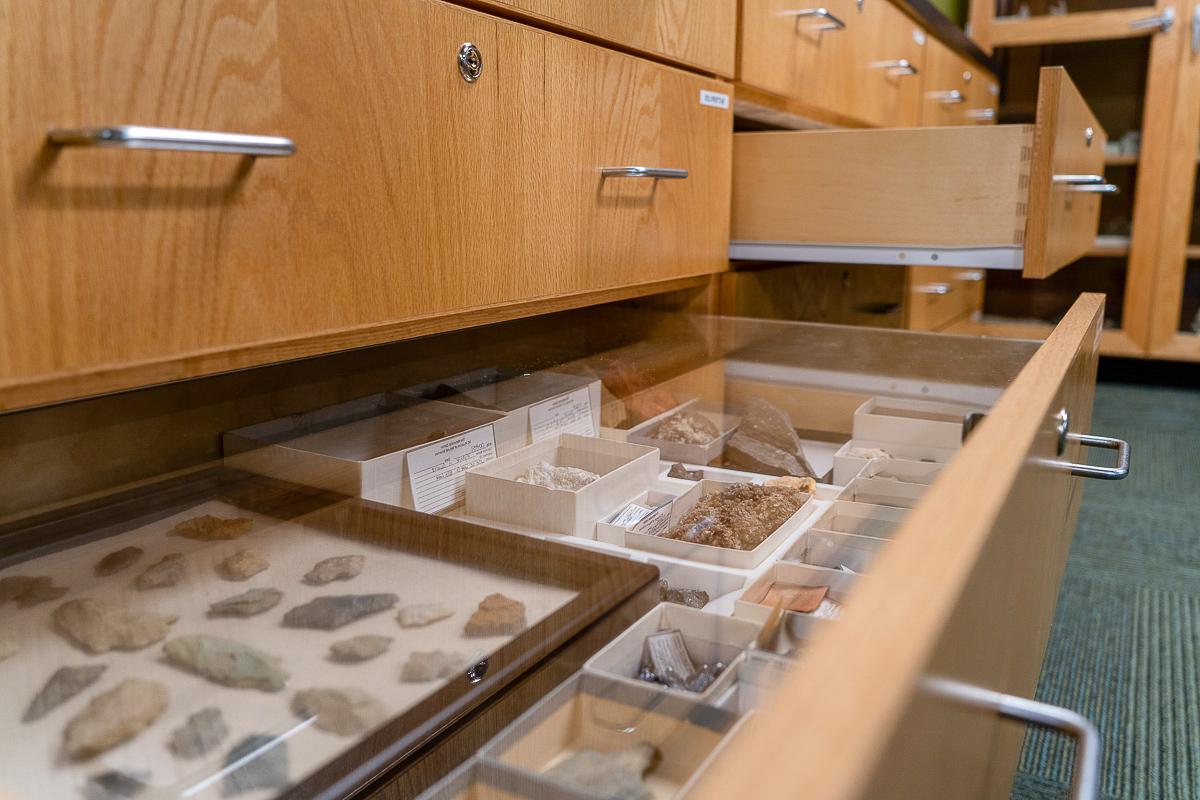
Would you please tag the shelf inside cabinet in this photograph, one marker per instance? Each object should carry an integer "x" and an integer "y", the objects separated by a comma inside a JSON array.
[{"x": 1080, "y": 26}]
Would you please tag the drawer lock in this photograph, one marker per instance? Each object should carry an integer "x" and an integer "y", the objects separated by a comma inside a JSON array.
[{"x": 470, "y": 62}]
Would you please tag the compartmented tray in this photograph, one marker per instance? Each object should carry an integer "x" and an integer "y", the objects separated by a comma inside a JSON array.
[
  {"x": 846, "y": 467},
  {"x": 835, "y": 551},
  {"x": 707, "y": 637},
  {"x": 362, "y": 447},
  {"x": 420, "y": 558},
  {"x": 625, "y": 470},
  {"x": 861, "y": 519},
  {"x": 716, "y": 583},
  {"x": 891, "y": 482},
  {"x": 748, "y": 606},
  {"x": 726, "y": 424},
  {"x": 918, "y": 422},
  {"x": 594, "y": 713}
]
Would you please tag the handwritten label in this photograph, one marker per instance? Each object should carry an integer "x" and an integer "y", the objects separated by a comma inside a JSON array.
[
  {"x": 666, "y": 653},
  {"x": 437, "y": 473},
  {"x": 568, "y": 413},
  {"x": 714, "y": 99},
  {"x": 657, "y": 521}
]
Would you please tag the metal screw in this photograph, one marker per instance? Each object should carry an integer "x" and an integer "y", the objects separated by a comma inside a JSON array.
[
  {"x": 1088, "y": 135},
  {"x": 470, "y": 62},
  {"x": 475, "y": 674}
]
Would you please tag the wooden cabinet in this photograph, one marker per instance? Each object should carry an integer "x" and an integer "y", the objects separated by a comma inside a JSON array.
[
  {"x": 937, "y": 296},
  {"x": 888, "y": 78},
  {"x": 949, "y": 80}
]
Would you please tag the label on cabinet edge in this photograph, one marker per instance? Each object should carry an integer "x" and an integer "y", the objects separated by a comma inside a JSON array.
[{"x": 714, "y": 99}]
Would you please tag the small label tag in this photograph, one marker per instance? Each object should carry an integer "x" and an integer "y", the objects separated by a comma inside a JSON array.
[
  {"x": 714, "y": 99},
  {"x": 568, "y": 413},
  {"x": 632, "y": 514},
  {"x": 667, "y": 653},
  {"x": 437, "y": 472},
  {"x": 657, "y": 521},
  {"x": 919, "y": 36}
]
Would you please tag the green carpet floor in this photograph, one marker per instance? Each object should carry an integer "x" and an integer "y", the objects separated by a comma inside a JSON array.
[{"x": 1125, "y": 648}]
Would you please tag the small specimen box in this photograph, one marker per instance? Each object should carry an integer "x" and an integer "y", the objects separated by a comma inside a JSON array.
[
  {"x": 919, "y": 422},
  {"x": 647, "y": 433}
]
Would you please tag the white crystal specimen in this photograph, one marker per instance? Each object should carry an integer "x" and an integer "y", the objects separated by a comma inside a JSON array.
[{"x": 552, "y": 477}]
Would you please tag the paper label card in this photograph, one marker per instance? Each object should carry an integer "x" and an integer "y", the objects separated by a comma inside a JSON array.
[
  {"x": 657, "y": 521},
  {"x": 714, "y": 99},
  {"x": 666, "y": 653},
  {"x": 568, "y": 413},
  {"x": 437, "y": 473}
]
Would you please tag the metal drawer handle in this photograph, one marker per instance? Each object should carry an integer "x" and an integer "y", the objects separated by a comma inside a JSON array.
[
  {"x": 1085, "y": 183},
  {"x": 932, "y": 288},
  {"x": 831, "y": 22},
  {"x": 986, "y": 114},
  {"x": 1160, "y": 23},
  {"x": 950, "y": 97},
  {"x": 1078, "y": 180},
  {"x": 140, "y": 137},
  {"x": 644, "y": 172},
  {"x": 1119, "y": 472},
  {"x": 971, "y": 276},
  {"x": 900, "y": 66},
  {"x": 1097, "y": 188},
  {"x": 1085, "y": 781}
]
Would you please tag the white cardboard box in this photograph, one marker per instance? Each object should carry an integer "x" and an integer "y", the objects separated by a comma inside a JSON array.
[
  {"x": 494, "y": 493},
  {"x": 846, "y": 467},
  {"x": 839, "y": 583},
  {"x": 835, "y": 551},
  {"x": 888, "y": 482},
  {"x": 645, "y": 433},
  {"x": 708, "y": 637},
  {"x": 715, "y": 582},
  {"x": 861, "y": 519},
  {"x": 486, "y": 780},
  {"x": 919, "y": 422}
]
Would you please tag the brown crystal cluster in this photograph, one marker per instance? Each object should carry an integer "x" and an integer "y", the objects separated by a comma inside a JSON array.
[{"x": 739, "y": 517}]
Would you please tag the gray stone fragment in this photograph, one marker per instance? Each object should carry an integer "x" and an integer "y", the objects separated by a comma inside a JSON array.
[
  {"x": 65, "y": 683},
  {"x": 246, "y": 604},
  {"x": 115, "y": 785},
  {"x": 338, "y": 568},
  {"x": 692, "y": 598},
  {"x": 613, "y": 776},
  {"x": 99, "y": 627},
  {"x": 766, "y": 442},
  {"x": 265, "y": 765},
  {"x": 241, "y": 565},
  {"x": 114, "y": 717},
  {"x": 432, "y": 664},
  {"x": 161, "y": 574},
  {"x": 226, "y": 662},
  {"x": 202, "y": 732},
  {"x": 116, "y": 561},
  {"x": 359, "y": 648},
  {"x": 343, "y": 711},
  {"x": 29, "y": 590},
  {"x": 422, "y": 614},
  {"x": 333, "y": 611}
]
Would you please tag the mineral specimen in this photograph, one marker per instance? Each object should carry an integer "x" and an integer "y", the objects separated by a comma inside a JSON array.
[
  {"x": 163, "y": 573},
  {"x": 262, "y": 763},
  {"x": 666, "y": 660},
  {"x": 246, "y": 604},
  {"x": 680, "y": 471},
  {"x": 99, "y": 627},
  {"x": 567, "y": 478},
  {"x": 687, "y": 427},
  {"x": 739, "y": 517},
  {"x": 208, "y": 528},
  {"x": 696, "y": 681},
  {"x": 423, "y": 614},
  {"x": 65, "y": 683},
  {"x": 241, "y": 565},
  {"x": 828, "y": 609},
  {"x": 226, "y": 662},
  {"x": 338, "y": 568},
  {"x": 806, "y": 485},
  {"x": 114, "y": 717},
  {"x": 791, "y": 596},
  {"x": 202, "y": 732},
  {"x": 616, "y": 775},
  {"x": 346, "y": 711},
  {"x": 29, "y": 590},
  {"x": 867, "y": 453},
  {"x": 692, "y": 598},
  {"x": 766, "y": 442},
  {"x": 430, "y": 665},
  {"x": 116, "y": 561},
  {"x": 497, "y": 615},
  {"x": 359, "y": 648},
  {"x": 333, "y": 611},
  {"x": 115, "y": 785}
]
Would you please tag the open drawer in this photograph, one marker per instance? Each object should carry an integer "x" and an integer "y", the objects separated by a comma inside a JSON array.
[
  {"x": 892, "y": 700},
  {"x": 1021, "y": 197}
]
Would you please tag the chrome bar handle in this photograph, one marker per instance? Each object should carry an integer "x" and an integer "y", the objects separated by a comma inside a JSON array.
[
  {"x": 949, "y": 97},
  {"x": 986, "y": 114},
  {"x": 932, "y": 288},
  {"x": 1160, "y": 23},
  {"x": 1085, "y": 780},
  {"x": 1093, "y": 184},
  {"x": 970, "y": 276},
  {"x": 1117, "y": 473},
  {"x": 644, "y": 172},
  {"x": 1195, "y": 30},
  {"x": 1078, "y": 180},
  {"x": 141, "y": 137},
  {"x": 832, "y": 22},
  {"x": 899, "y": 66},
  {"x": 1097, "y": 188}
]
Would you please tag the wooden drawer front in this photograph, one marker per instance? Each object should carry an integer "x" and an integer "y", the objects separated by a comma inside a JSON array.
[
  {"x": 964, "y": 196},
  {"x": 936, "y": 297},
  {"x": 946, "y": 93},
  {"x": 605, "y": 109},
  {"x": 965, "y": 590},
  {"x": 983, "y": 97},
  {"x": 885, "y": 95}
]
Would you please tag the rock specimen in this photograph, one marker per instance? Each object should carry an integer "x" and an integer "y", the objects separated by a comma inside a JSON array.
[
  {"x": 430, "y": 665},
  {"x": 8, "y": 647},
  {"x": 338, "y": 568},
  {"x": 739, "y": 517},
  {"x": 116, "y": 561},
  {"x": 226, "y": 662},
  {"x": 680, "y": 471},
  {"x": 423, "y": 614},
  {"x": 346, "y": 711},
  {"x": 208, "y": 528},
  {"x": 65, "y": 683},
  {"x": 359, "y": 648},
  {"x": 828, "y": 609},
  {"x": 114, "y": 717},
  {"x": 697, "y": 680},
  {"x": 687, "y": 427},
  {"x": 115, "y": 785},
  {"x": 806, "y": 485},
  {"x": 162, "y": 574},
  {"x": 497, "y": 615},
  {"x": 333, "y": 611},
  {"x": 616, "y": 775},
  {"x": 202, "y": 732},
  {"x": 264, "y": 765},
  {"x": 241, "y": 565},
  {"x": 692, "y": 598},
  {"x": 99, "y": 627},
  {"x": 246, "y": 604},
  {"x": 867, "y": 453},
  {"x": 791, "y": 596},
  {"x": 567, "y": 478},
  {"x": 29, "y": 590},
  {"x": 766, "y": 442}
]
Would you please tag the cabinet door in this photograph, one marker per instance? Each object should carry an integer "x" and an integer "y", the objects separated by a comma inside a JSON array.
[
  {"x": 609, "y": 110},
  {"x": 130, "y": 255},
  {"x": 887, "y": 73}
]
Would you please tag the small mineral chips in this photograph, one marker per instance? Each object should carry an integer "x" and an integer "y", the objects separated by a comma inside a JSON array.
[
  {"x": 333, "y": 611},
  {"x": 208, "y": 528},
  {"x": 164, "y": 573},
  {"x": 241, "y": 565},
  {"x": 114, "y": 717},
  {"x": 692, "y": 598},
  {"x": 338, "y": 568},
  {"x": 687, "y": 427},
  {"x": 116, "y": 561},
  {"x": 566, "y": 478},
  {"x": 497, "y": 615},
  {"x": 806, "y": 485},
  {"x": 99, "y": 627},
  {"x": 739, "y": 517},
  {"x": 226, "y": 662}
]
